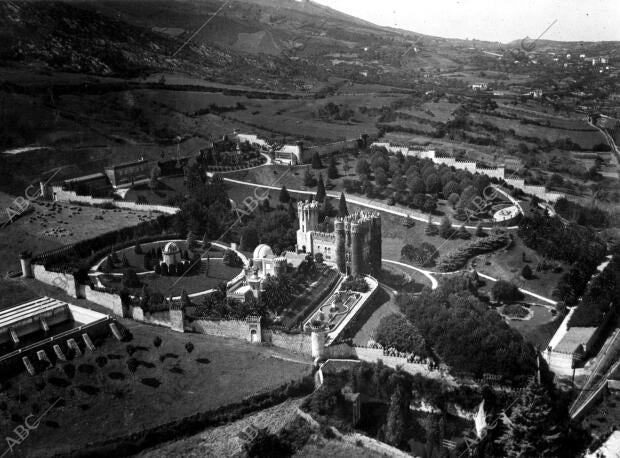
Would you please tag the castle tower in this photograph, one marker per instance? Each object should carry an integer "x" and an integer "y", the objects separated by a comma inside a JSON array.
[
  {"x": 308, "y": 214},
  {"x": 317, "y": 337},
  {"x": 341, "y": 262},
  {"x": 356, "y": 250},
  {"x": 375, "y": 245}
]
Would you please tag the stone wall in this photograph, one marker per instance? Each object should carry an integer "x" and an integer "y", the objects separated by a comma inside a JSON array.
[
  {"x": 70, "y": 196},
  {"x": 66, "y": 282},
  {"x": 108, "y": 300},
  {"x": 300, "y": 343},
  {"x": 236, "y": 329}
]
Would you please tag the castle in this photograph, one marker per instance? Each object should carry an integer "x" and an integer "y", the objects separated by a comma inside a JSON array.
[{"x": 354, "y": 245}]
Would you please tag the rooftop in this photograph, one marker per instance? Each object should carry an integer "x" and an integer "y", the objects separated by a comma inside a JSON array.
[
  {"x": 92, "y": 176},
  {"x": 126, "y": 164},
  {"x": 574, "y": 337}
]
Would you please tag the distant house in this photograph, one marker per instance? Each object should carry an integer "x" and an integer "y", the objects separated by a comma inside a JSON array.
[
  {"x": 571, "y": 349},
  {"x": 252, "y": 140},
  {"x": 479, "y": 87},
  {"x": 290, "y": 154},
  {"x": 96, "y": 185},
  {"x": 129, "y": 173}
]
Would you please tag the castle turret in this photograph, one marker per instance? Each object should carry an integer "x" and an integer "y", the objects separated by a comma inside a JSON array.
[
  {"x": 356, "y": 250},
  {"x": 317, "y": 337},
  {"x": 341, "y": 262},
  {"x": 375, "y": 245}
]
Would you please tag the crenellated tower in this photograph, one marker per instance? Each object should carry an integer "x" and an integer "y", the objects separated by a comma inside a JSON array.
[
  {"x": 356, "y": 249},
  {"x": 341, "y": 261}
]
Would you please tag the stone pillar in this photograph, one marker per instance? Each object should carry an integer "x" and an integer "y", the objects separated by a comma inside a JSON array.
[
  {"x": 25, "y": 258},
  {"x": 177, "y": 317}
]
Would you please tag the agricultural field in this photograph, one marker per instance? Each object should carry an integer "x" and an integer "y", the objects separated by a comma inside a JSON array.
[
  {"x": 100, "y": 399},
  {"x": 584, "y": 135},
  {"x": 54, "y": 224}
]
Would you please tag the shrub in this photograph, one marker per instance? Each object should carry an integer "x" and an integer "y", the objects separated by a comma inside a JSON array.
[
  {"x": 358, "y": 284},
  {"x": 505, "y": 291},
  {"x": 527, "y": 273},
  {"x": 232, "y": 259},
  {"x": 397, "y": 331}
]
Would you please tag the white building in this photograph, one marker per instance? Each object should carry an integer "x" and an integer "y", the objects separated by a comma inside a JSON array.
[{"x": 252, "y": 140}]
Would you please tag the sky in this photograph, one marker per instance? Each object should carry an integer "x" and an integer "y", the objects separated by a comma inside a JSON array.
[{"x": 492, "y": 20}]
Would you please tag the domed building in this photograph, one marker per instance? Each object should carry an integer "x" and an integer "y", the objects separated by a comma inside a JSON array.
[
  {"x": 171, "y": 254},
  {"x": 264, "y": 263}
]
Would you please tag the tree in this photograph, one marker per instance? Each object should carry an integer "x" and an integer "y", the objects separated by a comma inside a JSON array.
[
  {"x": 291, "y": 212},
  {"x": 185, "y": 300},
  {"x": 431, "y": 229},
  {"x": 316, "y": 161},
  {"x": 397, "y": 418},
  {"x": 137, "y": 249},
  {"x": 430, "y": 204},
  {"x": 318, "y": 258},
  {"x": 130, "y": 279},
  {"x": 445, "y": 228},
  {"x": 192, "y": 242},
  {"x": 397, "y": 332},
  {"x": 332, "y": 170},
  {"x": 189, "y": 347},
  {"x": 380, "y": 176},
  {"x": 154, "y": 179},
  {"x": 342, "y": 206},
  {"x": 479, "y": 230},
  {"x": 249, "y": 238},
  {"x": 417, "y": 186},
  {"x": 132, "y": 365},
  {"x": 463, "y": 234},
  {"x": 535, "y": 428},
  {"x": 231, "y": 259},
  {"x": 506, "y": 292},
  {"x": 527, "y": 273},
  {"x": 309, "y": 180},
  {"x": 284, "y": 195},
  {"x": 362, "y": 167},
  {"x": 320, "y": 190},
  {"x": 157, "y": 341},
  {"x": 453, "y": 199},
  {"x": 125, "y": 261}
]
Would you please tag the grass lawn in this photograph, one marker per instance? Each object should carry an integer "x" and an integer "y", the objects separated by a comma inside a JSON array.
[
  {"x": 539, "y": 329},
  {"x": 388, "y": 307},
  {"x": 101, "y": 403},
  {"x": 507, "y": 265},
  {"x": 218, "y": 273}
]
